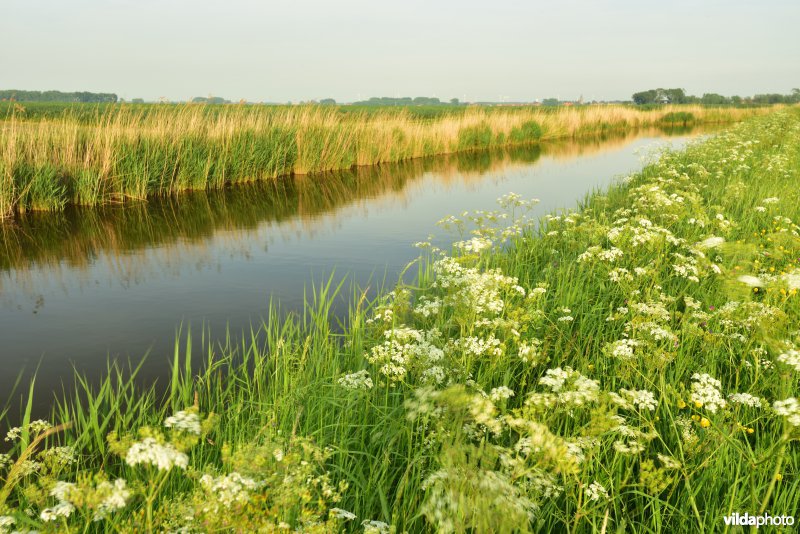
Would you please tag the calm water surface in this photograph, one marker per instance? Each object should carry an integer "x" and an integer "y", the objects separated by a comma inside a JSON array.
[{"x": 86, "y": 285}]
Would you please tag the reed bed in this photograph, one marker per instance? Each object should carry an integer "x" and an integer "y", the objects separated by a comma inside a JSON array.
[
  {"x": 630, "y": 366},
  {"x": 129, "y": 153}
]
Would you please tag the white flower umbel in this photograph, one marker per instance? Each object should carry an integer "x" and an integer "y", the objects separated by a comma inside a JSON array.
[
  {"x": 752, "y": 281},
  {"x": 184, "y": 421},
  {"x": 706, "y": 392},
  {"x": 116, "y": 497},
  {"x": 356, "y": 381},
  {"x": 150, "y": 451},
  {"x": 501, "y": 393},
  {"x": 372, "y": 526},
  {"x": 338, "y": 513},
  {"x": 596, "y": 492},
  {"x": 229, "y": 489},
  {"x": 711, "y": 242},
  {"x": 791, "y": 358},
  {"x": 790, "y": 409},
  {"x": 745, "y": 399},
  {"x": 638, "y": 399},
  {"x": 64, "y": 508}
]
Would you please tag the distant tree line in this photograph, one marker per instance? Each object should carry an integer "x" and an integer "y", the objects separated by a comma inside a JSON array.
[
  {"x": 679, "y": 96},
  {"x": 406, "y": 101},
  {"x": 55, "y": 96},
  {"x": 210, "y": 100}
]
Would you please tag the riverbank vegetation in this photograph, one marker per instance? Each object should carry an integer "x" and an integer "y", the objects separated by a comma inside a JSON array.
[
  {"x": 121, "y": 153},
  {"x": 632, "y": 365}
]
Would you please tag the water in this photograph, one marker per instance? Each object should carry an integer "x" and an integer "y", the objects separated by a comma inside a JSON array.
[{"x": 86, "y": 285}]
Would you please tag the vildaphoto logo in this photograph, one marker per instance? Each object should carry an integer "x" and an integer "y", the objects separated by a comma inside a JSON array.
[{"x": 746, "y": 519}]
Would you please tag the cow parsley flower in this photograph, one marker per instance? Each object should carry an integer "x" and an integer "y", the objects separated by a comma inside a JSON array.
[
  {"x": 711, "y": 242},
  {"x": 338, "y": 513},
  {"x": 639, "y": 399},
  {"x": 791, "y": 358},
  {"x": 790, "y": 409},
  {"x": 372, "y": 526},
  {"x": 745, "y": 399},
  {"x": 184, "y": 421},
  {"x": 596, "y": 491},
  {"x": 229, "y": 489},
  {"x": 150, "y": 451},
  {"x": 116, "y": 496},
  {"x": 356, "y": 381},
  {"x": 752, "y": 281},
  {"x": 706, "y": 392},
  {"x": 501, "y": 393}
]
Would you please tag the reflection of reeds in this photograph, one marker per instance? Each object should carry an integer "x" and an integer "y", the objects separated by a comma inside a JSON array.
[
  {"x": 130, "y": 153},
  {"x": 166, "y": 226}
]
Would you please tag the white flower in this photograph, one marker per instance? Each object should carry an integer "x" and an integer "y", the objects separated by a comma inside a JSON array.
[
  {"x": 356, "y": 381},
  {"x": 116, "y": 497},
  {"x": 184, "y": 421},
  {"x": 62, "y": 509},
  {"x": 706, "y": 392},
  {"x": 790, "y": 409},
  {"x": 40, "y": 425},
  {"x": 501, "y": 393},
  {"x": 14, "y": 434},
  {"x": 745, "y": 399},
  {"x": 752, "y": 281},
  {"x": 792, "y": 280},
  {"x": 150, "y": 451},
  {"x": 640, "y": 399},
  {"x": 475, "y": 245},
  {"x": 711, "y": 242},
  {"x": 760, "y": 209},
  {"x": 229, "y": 489},
  {"x": 791, "y": 358},
  {"x": 338, "y": 513},
  {"x": 375, "y": 527},
  {"x": 596, "y": 491},
  {"x": 623, "y": 349},
  {"x": 771, "y": 200}
]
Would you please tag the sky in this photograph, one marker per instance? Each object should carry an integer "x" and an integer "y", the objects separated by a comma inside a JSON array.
[{"x": 280, "y": 51}]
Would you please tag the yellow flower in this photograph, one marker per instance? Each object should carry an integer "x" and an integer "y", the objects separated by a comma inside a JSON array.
[
  {"x": 705, "y": 423},
  {"x": 751, "y": 430},
  {"x": 698, "y": 404},
  {"x": 779, "y": 477},
  {"x": 755, "y": 290},
  {"x": 681, "y": 404},
  {"x": 695, "y": 417}
]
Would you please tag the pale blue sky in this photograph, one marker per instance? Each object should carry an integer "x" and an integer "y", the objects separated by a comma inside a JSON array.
[{"x": 311, "y": 49}]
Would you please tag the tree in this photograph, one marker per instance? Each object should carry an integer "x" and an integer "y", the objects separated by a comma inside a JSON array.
[
  {"x": 713, "y": 99},
  {"x": 454, "y": 101},
  {"x": 645, "y": 97}
]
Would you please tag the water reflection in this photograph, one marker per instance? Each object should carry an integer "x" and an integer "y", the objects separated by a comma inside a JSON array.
[{"x": 85, "y": 284}]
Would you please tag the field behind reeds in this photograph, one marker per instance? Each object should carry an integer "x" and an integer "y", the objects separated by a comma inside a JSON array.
[
  {"x": 630, "y": 366},
  {"x": 121, "y": 153}
]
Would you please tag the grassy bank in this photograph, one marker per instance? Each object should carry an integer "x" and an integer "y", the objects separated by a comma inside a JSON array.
[
  {"x": 121, "y": 153},
  {"x": 631, "y": 366}
]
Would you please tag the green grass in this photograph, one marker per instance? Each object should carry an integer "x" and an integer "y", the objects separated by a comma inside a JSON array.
[{"x": 539, "y": 422}]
